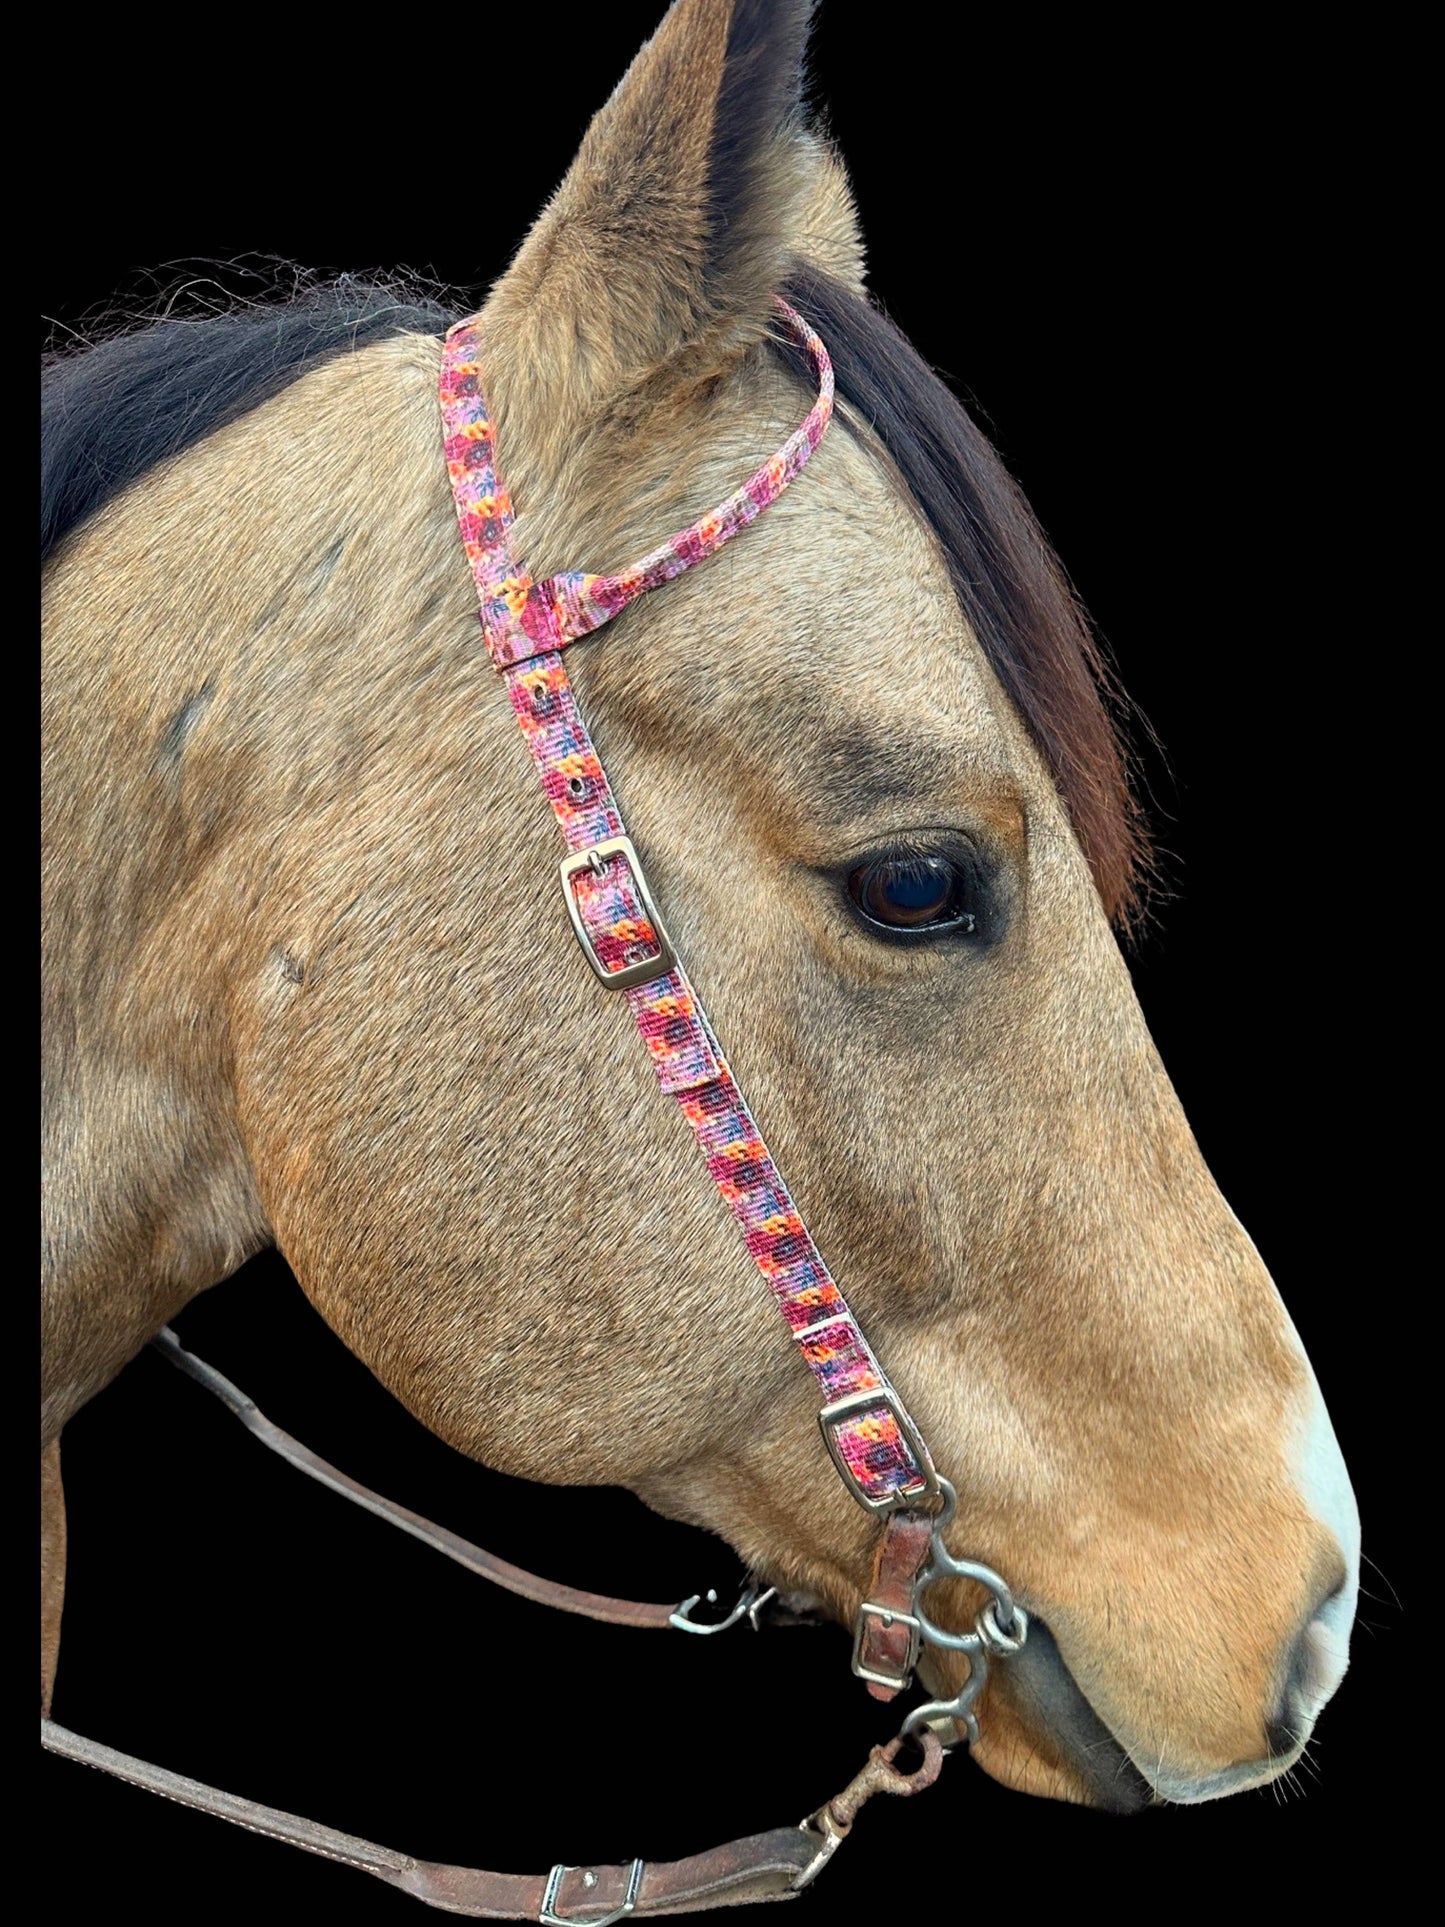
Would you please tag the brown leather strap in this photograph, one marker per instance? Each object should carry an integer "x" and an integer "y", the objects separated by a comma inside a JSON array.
[
  {"x": 887, "y": 1639},
  {"x": 527, "y": 1585},
  {"x": 764, "y": 1866}
]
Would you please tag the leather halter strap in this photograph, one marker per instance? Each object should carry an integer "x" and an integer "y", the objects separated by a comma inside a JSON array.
[
  {"x": 501, "y": 1572},
  {"x": 763, "y": 1866}
]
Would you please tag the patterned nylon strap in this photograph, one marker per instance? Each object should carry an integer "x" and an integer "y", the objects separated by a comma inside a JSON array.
[{"x": 527, "y": 624}]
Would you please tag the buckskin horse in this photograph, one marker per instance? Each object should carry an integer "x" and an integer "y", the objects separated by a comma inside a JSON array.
[{"x": 310, "y": 979}]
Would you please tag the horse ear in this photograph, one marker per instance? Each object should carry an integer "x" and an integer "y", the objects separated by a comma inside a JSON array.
[
  {"x": 692, "y": 188},
  {"x": 827, "y": 234}
]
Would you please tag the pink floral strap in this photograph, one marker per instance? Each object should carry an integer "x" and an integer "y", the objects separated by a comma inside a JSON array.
[
  {"x": 524, "y": 619},
  {"x": 527, "y": 624}
]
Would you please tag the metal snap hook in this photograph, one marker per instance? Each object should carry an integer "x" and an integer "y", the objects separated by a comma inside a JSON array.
[{"x": 750, "y": 1603}]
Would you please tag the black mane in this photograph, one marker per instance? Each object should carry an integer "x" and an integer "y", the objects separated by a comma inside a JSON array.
[
  {"x": 1009, "y": 584},
  {"x": 109, "y": 414}
]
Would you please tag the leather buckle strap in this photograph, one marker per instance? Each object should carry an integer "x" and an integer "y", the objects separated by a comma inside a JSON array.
[
  {"x": 888, "y": 1632},
  {"x": 873, "y": 1624},
  {"x": 763, "y": 1866}
]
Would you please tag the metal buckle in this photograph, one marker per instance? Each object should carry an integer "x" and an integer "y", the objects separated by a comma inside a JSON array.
[
  {"x": 890, "y": 1616},
  {"x": 596, "y": 858},
  {"x": 913, "y": 1497},
  {"x": 549, "y": 1917}
]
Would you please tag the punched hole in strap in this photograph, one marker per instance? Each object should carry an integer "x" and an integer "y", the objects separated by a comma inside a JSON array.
[{"x": 543, "y": 697}]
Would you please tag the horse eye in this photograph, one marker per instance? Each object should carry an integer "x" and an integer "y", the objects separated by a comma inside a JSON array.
[{"x": 909, "y": 893}]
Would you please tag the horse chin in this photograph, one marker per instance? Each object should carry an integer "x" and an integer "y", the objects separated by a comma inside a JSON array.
[{"x": 1038, "y": 1734}]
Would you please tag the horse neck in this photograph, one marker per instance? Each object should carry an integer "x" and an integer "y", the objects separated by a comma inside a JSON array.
[{"x": 212, "y": 640}]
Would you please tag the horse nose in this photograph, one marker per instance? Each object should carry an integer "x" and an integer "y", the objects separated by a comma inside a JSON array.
[{"x": 1316, "y": 1664}]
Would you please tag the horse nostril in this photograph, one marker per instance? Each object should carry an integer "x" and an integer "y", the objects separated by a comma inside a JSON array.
[
  {"x": 1306, "y": 1682},
  {"x": 1285, "y": 1727},
  {"x": 1335, "y": 1593}
]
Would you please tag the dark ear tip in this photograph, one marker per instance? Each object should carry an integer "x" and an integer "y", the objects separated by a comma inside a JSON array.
[
  {"x": 762, "y": 80},
  {"x": 771, "y": 36}
]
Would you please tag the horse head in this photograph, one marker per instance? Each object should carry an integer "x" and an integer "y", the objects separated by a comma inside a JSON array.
[{"x": 312, "y": 983}]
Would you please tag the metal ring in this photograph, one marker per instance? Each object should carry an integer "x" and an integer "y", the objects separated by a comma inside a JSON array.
[
  {"x": 940, "y": 1713},
  {"x": 969, "y": 1643},
  {"x": 960, "y": 1707},
  {"x": 943, "y": 1565},
  {"x": 1003, "y": 1645},
  {"x": 987, "y": 1640}
]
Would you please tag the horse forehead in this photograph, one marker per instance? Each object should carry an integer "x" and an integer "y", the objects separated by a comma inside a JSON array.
[
  {"x": 858, "y": 553},
  {"x": 838, "y": 603}
]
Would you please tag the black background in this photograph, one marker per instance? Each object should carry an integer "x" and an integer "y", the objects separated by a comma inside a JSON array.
[{"x": 1140, "y": 263}]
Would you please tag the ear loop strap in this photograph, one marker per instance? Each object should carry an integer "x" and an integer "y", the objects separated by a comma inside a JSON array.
[{"x": 523, "y": 619}]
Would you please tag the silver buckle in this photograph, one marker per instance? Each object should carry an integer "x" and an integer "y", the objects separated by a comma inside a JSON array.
[
  {"x": 890, "y": 1616},
  {"x": 911, "y": 1498},
  {"x": 596, "y": 858},
  {"x": 549, "y": 1917}
]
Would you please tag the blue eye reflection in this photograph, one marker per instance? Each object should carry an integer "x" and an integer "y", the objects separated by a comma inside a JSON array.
[
  {"x": 912, "y": 893},
  {"x": 916, "y": 890}
]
